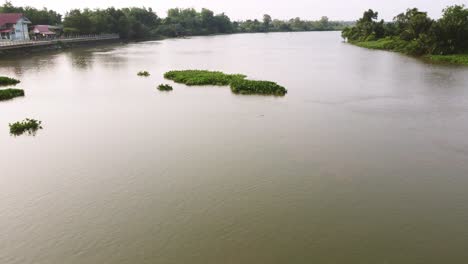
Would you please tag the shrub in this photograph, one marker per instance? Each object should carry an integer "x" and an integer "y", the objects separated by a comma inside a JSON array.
[
  {"x": 165, "y": 87},
  {"x": 27, "y": 125},
  {"x": 143, "y": 73},
  {"x": 8, "y": 94},
  {"x": 200, "y": 77},
  {"x": 8, "y": 81},
  {"x": 242, "y": 86}
]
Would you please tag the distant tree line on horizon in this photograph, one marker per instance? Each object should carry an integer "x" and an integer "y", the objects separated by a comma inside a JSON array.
[
  {"x": 413, "y": 32},
  {"x": 144, "y": 23}
]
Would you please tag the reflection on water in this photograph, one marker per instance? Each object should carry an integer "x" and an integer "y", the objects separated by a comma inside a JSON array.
[
  {"x": 80, "y": 61},
  {"x": 366, "y": 156},
  {"x": 16, "y": 66}
]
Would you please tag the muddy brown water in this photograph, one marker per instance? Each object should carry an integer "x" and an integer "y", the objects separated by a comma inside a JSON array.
[{"x": 364, "y": 161}]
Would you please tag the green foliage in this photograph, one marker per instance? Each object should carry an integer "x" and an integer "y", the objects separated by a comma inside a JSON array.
[
  {"x": 237, "y": 82},
  {"x": 451, "y": 31},
  {"x": 165, "y": 87},
  {"x": 139, "y": 23},
  {"x": 143, "y": 74},
  {"x": 461, "y": 59},
  {"x": 9, "y": 94},
  {"x": 77, "y": 21},
  {"x": 144, "y": 23},
  {"x": 28, "y": 125},
  {"x": 292, "y": 25},
  {"x": 8, "y": 81},
  {"x": 130, "y": 23},
  {"x": 201, "y": 77},
  {"x": 367, "y": 28},
  {"x": 413, "y": 32},
  {"x": 243, "y": 86},
  {"x": 412, "y": 24}
]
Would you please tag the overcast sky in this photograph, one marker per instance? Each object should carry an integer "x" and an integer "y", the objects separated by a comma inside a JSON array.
[{"x": 243, "y": 9}]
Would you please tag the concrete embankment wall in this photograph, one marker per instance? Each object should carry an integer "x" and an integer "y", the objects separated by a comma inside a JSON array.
[{"x": 22, "y": 48}]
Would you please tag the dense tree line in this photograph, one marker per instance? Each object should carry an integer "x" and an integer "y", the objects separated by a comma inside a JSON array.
[
  {"x": 296, "y": 24},
  {"x": 413, "y": 32},
  {"x": 137, "y": 23},
  {"x": 128, "y": 22},
  {"x": 40, "y": 17},
  {"x": 143, "y": 23}
]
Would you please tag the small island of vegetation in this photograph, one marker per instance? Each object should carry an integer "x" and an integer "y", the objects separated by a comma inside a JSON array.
[
  {"x": 165, "y": 87},
  {"x": 143, "y": 74},
  {"x": 9, "y": 94},
  {"x": 237, "y": 82},
  {"x": 28, "y": 125},
  {"x": 201, "y": 77},
  {"x": 243, "y": 86},
  {"x": 414, "y": 33},
  {"x": 8, "y": 81}
]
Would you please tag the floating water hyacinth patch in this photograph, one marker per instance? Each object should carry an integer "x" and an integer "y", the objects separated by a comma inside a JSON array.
[
  {"x": 8, "y": 81},
  {"x": 30, "y": 126},
  {"x": 8, "y": 94},
  {"x": 165, "y": 87},
  {"x": 143, "y": 74}
]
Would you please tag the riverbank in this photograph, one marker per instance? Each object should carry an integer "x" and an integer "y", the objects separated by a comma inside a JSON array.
[
  {"x": 390, "y": 44},
  {"x": 461, "y": 59}
]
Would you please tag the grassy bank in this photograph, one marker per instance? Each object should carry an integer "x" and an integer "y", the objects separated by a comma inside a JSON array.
[
  {"x": 381, "y": 44},
  {"x": 461, "y": 59},
  {"x": 410, "y": 48}
]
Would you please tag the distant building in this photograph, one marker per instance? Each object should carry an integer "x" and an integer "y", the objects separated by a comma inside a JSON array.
[
  {"x": 44, "y": 31},
  {"x": 14, "y": 26}
]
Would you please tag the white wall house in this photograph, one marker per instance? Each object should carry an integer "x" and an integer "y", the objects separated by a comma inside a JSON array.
[{"x": 14, "y": 26}]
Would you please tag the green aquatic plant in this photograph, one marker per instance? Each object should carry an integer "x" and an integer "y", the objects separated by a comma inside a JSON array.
[
  {"x": 9, "y": 94},
  {"x": 8, "y": 81},
  {"x": 242, "y": 86},
  {"x": 165, "y": 87},
  {"x": 237, "y": 82},
  {"x": 143, "y": 73},
  {"x": 28, "y": 125},
  {"x": 202, "y": 77}
]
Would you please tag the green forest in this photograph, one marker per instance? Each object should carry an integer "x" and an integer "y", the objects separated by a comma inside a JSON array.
[
  {"x": 144, "y": 23},
  {"x": 415, "y": 33}
]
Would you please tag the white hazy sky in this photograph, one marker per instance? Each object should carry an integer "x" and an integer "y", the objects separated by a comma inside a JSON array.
[{"x": 243, "y": 9}]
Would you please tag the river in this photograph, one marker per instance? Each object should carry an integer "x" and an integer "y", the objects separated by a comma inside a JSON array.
[{"x": 365, "y": 160}]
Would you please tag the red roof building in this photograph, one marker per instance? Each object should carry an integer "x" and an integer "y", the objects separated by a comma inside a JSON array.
[
  {"x": 42, "y": 30},
  {"x": 14, "y": 26}
]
